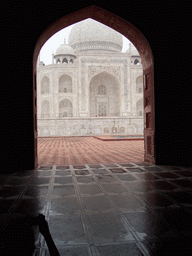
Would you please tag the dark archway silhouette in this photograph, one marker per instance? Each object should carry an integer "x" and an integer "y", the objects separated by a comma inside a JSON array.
[{"x": 139, "y": 41}]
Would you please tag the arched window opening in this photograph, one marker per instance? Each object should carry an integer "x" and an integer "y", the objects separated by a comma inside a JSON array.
[
  {"x": 139, "y": 107},
  {"x": 106, "y": 130},
  {"x": 102, "y": 109},
  {"x": 45, "y": 85},
  {"x": 71, "y": 61},
  {"x": 58, "y": 61},
  {"x": 122, "y": 129},
  {"x": 114, "y": 129},
  {"x": 102, "y": 90},
  {"x": 45, "y": 109},
  {"x": 65, "y": 84},
  {"x": 136, "y": 62},
  {"x": 65, "y": 60},
  {"x": 65, "y": 108}
]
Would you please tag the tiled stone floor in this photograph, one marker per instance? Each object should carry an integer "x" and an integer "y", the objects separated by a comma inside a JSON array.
[
  {"x": 87, "y": 150},
  {"x": 105, "y": 209}
]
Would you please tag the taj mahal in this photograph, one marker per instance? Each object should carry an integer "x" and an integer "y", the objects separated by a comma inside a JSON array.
[{"x": 91, "y": 87}]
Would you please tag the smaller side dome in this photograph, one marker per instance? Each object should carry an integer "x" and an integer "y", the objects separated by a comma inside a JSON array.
[
  {"x": 65, "y": 49},
  {"x": 64, "y": 54}
]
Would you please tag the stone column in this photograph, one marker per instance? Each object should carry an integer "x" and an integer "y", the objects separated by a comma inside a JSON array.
[
  {"x": 52, "y": 58},
  {"x": 129, "y": 87},
  {"x": 52, "y": 81}
]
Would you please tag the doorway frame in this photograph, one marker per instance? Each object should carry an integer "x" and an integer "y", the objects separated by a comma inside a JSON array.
[{"x": 139, "y": 41}]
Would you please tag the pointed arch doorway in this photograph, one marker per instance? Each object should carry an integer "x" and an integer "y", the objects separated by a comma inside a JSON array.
[{"x": 139, "y": 41}]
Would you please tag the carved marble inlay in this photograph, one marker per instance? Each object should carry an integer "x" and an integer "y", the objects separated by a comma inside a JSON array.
[
  {"x": 106, "y": 130},
  {"x": 122, "y": 129},
  {"x": 65, "y": 73},
  {"x": 114, "y": 129},
  {"x": 96, "y": 69},
  {"x": 104, "y": 65}
]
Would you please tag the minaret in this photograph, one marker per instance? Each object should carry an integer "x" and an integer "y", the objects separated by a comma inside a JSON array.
[
  {"x": 53, "y": 57},
  {"x": 130, "y": 48}
]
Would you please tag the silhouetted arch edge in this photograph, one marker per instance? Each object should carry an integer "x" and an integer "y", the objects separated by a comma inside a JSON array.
[
  {"x": 105, "y": 17},
  {"x": 129, "y": 31}
]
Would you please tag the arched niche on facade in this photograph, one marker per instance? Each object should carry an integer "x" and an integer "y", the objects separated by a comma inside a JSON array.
[
  {"x": 106, "y": 130},
  {"x": 139, "y": 107},
  {"x": 65, "y": 60},
  {"x": 139, "y": 84},
  {"x": 101, "y": 89},
  {"x": 45, "y": 85},
  {"x": 137, "y": 39},
  {"x": 136, "y": 61},
  {"x": 104, "y": 99},
  {"x": 114, "y": 129},
  {"x": 45, "y": 109},
  {"x": 65, "y": 108},
  {"x": 122, "y": 129},
  {"x": 65, "y": 84}
]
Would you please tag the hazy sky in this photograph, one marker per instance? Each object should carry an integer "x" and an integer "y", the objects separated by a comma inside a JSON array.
[{"x": 57, "y": 39}]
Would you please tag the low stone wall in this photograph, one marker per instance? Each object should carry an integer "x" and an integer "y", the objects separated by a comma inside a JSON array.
[{"x": 89, "y": 126}]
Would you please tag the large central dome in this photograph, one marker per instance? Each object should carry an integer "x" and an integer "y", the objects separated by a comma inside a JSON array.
[{"x": 91, "y": 35}]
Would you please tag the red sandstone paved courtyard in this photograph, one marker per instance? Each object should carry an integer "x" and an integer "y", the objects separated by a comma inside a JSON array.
[{"x": 88, "y": 150}]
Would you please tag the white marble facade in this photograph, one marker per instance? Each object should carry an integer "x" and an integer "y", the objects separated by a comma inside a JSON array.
[{"x": 91, "y": 87}]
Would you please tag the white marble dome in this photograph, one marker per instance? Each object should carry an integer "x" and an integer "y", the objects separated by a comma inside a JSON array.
[
  {"x": 91, "y": 35},
  {"x": 64, "y": 49}
]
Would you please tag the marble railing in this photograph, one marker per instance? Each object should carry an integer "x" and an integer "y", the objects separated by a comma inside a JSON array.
[{"x": 72, "y": 126}]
